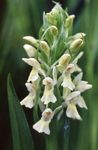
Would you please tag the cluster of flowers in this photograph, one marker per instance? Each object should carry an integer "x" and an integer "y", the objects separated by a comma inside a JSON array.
[{"x": 57, "y": 75}]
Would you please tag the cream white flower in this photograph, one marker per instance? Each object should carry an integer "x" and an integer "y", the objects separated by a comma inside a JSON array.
[
  {"x": 32, "y": 40},
  {"x": 79, "y": 100},
  {"x": 43, "y": 124},
  {"x": 72, "y": 112},
  {"x": 71, "y": 103},
  {"x": 67, "y": 81},
  {"x": 30, "y": 50},
  {"x": 36, "y": 70},
  {"x": 81, "y": 85},
  {"x": 70, "y": 68},
  {"x": 28, "y": 101},
  {"x": 48, "y": 95}
]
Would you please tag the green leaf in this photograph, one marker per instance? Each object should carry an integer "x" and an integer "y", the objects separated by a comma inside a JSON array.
[{"x": 22, "y": 139}]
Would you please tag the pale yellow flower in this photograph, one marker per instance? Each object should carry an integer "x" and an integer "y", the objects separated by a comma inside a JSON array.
[
  {"x": 29, "y": 100},
  {"x": 43, "y": 124},
  {"x": 71, "y": 103},
  {"x": 72, "y": 112},
  {"x": 67, "y": 81},
  {"x": 30, "y": 50},
  {"x": 48, "y": 95},
  {"x": 71, "y": 68},
  {"x": 36, "y": 70}
]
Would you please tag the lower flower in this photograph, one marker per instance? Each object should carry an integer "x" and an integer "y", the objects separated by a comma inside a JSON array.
[{"x": 42, "y": 126}]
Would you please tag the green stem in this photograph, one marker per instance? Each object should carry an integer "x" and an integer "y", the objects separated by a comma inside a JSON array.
[
  {"x": 51, "y": 143},
  {"x": 59, "y": 136}
]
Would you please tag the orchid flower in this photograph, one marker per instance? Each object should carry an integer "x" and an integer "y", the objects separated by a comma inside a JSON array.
[
  {"x": 43, "y": 124},
  {"x": 48, "y": 95}
]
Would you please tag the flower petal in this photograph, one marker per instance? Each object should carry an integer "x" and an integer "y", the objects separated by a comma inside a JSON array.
[
  {"x": 83, "y": 86},
  {"x": 48, "y": 97},
  {"x": 72, "y": 112},
  {"x": 72, "y": 95},
  {"x": 30, "y": 50},
  {"x": 67, "y": 82},
  {"x": 42, "y": 126},
  {"x": 32, "y": 62},
  {"x": 28, "y": 101},
  {"x": 33, "y": 76},
  {"x": 80, "y": 102},
  {"x": 78, "y": 78}
]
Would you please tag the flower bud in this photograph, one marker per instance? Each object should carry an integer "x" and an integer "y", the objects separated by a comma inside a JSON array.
[
  {"x": 54, "y": 30},
  {"x": 69, "y": 21},
  {"x": 76, "y": 44},
  {"x": 53, "y": 17},
  {"x": 64, "y": 59},
  {"x": 44, "y": 46},
  {"x": 50, "y": 18},
  {"x": 63, "y": 62},
  {"x": 32, "y": 40},
  {"x": 78, "y": 36},
  {"x": 30, "y": 50}
]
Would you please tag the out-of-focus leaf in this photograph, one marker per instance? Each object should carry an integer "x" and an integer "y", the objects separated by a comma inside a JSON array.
[{"x": 22, "y": 139}]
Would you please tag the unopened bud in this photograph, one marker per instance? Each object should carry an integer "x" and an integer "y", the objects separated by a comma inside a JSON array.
[
  {"x": 63, "y": 62},
  {"x": 54, "y": 30},
  {"x": 32, "y": 40},
  {"x": 76, "y": 44},
  {"x": 69, "y": 21},
  {"x": 50, "y": 18},
  {"x": 53, "y": 16},
  {"x": 79, "y": 36},
  {"x": 64, "y": 59},
  {"x": 30, "y": 50},
  {"x": 44, "y": 46}
]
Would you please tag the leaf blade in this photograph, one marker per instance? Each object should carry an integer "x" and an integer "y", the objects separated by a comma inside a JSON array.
[{"x": 22, "y": 139}]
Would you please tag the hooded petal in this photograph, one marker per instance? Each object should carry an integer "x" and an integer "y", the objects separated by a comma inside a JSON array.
[
  {"x": 32, "y": 62},
  {"x": 30, "y": 50}
]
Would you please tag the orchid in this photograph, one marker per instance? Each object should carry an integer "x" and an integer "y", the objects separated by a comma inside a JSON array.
[
  {"x": 55, "y": 81},
  {"x": 48, "y": 95},
  {"x": 29, "y": 100},
  {"x": 43, "y": 124},
  {"x": 36, "y": 70}
]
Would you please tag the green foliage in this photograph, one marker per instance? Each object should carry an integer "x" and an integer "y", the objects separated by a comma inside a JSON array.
[{"x": 22, "y": 139}]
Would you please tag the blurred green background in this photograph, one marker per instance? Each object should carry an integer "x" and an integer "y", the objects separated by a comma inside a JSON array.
[{"x": 24, "y": 17}]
